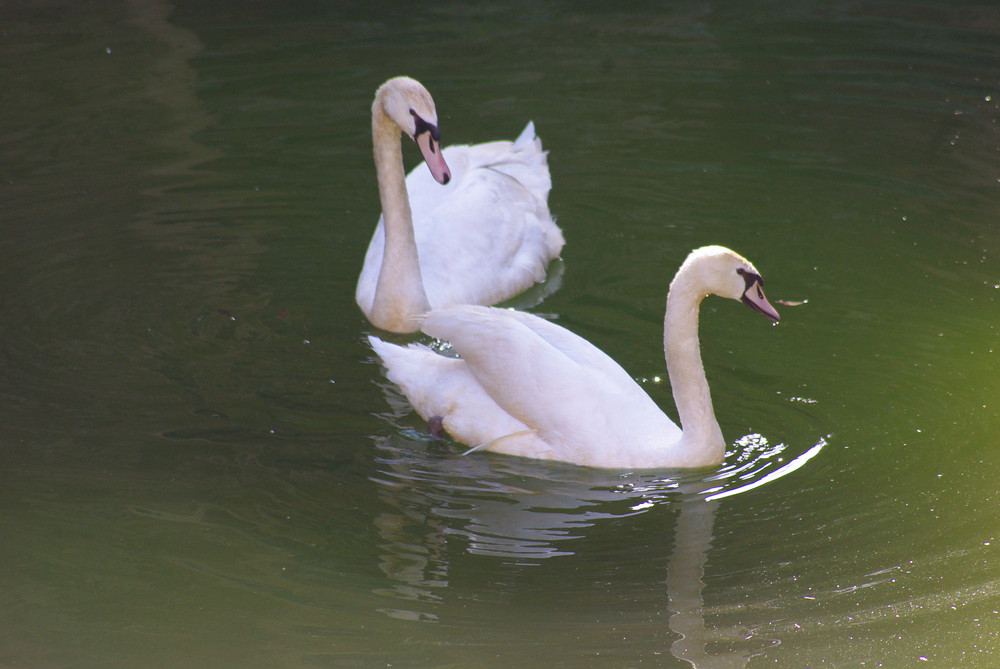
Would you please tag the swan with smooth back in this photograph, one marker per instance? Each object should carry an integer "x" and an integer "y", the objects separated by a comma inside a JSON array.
[
  {"x": 525, "y": 386},
  {"x": 473, "y": 229}
]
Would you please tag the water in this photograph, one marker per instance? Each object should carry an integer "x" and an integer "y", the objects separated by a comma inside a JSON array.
[{"x": 202, "y": 465}]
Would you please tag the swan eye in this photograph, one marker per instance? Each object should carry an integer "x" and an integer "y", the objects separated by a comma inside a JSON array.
[
  {"x": 420, "y": 126},
  {"x": 750, "y": 278}
]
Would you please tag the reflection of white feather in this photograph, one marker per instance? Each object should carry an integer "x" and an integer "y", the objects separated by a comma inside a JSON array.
[
  {"x": 525, "y": 386},
  {"x": 484, "y": 237}
]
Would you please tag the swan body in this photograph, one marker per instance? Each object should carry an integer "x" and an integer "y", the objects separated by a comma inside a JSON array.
[
  {"x": 473, "y": 229},
  {"x": 525, "y": 386}
]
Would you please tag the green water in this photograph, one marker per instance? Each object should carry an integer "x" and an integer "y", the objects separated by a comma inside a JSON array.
[{"x": 202, "y": 465}]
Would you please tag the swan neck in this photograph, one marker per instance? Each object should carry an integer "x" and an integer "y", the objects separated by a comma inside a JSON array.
[
  {"x": 701, "y": 432},
  {"x": 399, "y": 293}
]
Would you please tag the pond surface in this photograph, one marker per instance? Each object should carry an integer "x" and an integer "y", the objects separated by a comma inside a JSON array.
[{"x": 202, "y": 464}]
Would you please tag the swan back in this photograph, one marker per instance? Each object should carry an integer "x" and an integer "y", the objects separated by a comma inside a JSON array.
[{"x": 576, "y": 399}]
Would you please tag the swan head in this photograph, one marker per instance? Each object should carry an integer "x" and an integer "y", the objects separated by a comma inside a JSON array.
[
  {"x": 720, "y": 271},
  {"x": 411, "y": 107}
]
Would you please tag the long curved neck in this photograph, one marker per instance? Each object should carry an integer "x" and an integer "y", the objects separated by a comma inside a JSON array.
[
  {"x": 702, "y": 436},
  {"x": 399, "y": 294}
]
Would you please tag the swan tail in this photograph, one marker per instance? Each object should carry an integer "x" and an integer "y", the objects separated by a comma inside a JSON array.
[
  {"x": 398, "y": 358},
  {"x": 527, "y": 139},
  {"x": 554, "y": 240},
  {"x": 384, "y": 350},
  {"x": 513, "y": 436},
  {"x": 527, "y": 163}
]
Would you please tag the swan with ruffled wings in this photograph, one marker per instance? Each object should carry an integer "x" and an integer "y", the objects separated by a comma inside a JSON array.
[{"x": 473, "y": 229}]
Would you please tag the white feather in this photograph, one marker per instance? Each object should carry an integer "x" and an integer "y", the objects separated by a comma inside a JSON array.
[{"x": 525, "y": 386}]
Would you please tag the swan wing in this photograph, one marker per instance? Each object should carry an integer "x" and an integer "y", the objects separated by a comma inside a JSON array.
[
  {"x": 488, "y": 242},
  {"x": 442, "y": 387},
  {"x": 575, "y": 347},
  {"x": 485, "y": 236},
  {"x": 579, "y": 402},
  {"x": 523, "y": 160}
]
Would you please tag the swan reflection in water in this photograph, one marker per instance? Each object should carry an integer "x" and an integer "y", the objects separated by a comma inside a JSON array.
[{"x": 528, "y": 512}]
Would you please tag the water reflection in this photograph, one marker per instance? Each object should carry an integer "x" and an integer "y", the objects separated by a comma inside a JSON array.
[
  {"x": 685, "y": 583},
  {"x": 170, "y": 84},
  {"x": 439, "y": 505}
]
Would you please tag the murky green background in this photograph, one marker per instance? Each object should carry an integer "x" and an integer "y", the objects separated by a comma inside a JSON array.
[{"x": 201, "y": 465}]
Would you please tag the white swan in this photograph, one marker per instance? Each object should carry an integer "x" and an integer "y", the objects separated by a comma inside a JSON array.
[
  {"x": 525, "y": 386},
  {"x": 483, "y": 237}
]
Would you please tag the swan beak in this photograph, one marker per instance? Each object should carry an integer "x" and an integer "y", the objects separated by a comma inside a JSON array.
[
  {"x": 431, "y": 151},
  {"x": 754, "y": 298}
]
